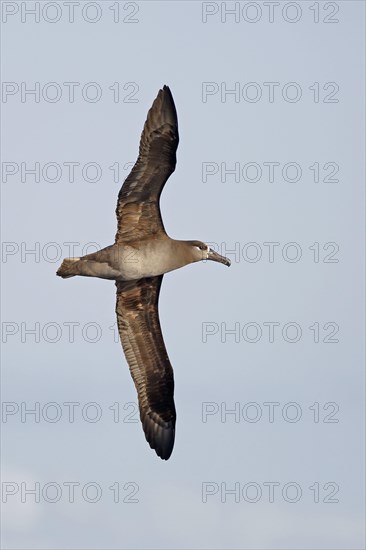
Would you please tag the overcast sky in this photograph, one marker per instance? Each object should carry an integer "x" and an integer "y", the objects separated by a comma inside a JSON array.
[{"x": 270, "y": 102}]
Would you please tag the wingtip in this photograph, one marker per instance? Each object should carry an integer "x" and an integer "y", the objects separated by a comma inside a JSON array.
[
  {"x": 163, "y": 109},
  {"x": 163, "y": 443},
  {"x": 166, "y": 91},
  {"x": 160, "y": 438},
  {"x": 164, "y": 446}
]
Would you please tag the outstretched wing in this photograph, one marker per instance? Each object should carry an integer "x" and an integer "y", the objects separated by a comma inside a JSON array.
[
  {"x": 138, "y": 212},
  {"x": 143, "y": 344}
]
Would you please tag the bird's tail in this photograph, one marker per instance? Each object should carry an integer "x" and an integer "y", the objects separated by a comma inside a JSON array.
[{"x": 69, "y": 268}]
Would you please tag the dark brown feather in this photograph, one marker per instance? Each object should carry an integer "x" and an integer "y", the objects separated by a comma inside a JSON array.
[
  {"x": 138, "y": 212},
  {"x": 143, "y": 344}
]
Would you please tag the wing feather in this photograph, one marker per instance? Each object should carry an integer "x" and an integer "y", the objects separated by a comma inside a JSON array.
[
  {"x": 138, "y": 212},
  {"x": 143, "y": 344}
]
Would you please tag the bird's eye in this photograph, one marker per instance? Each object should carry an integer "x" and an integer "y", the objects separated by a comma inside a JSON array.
[{"x": 202, "y": 247}]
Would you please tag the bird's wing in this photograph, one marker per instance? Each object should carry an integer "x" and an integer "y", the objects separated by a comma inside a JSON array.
[
  {"x": 138, "y": 212},
  {"x": 143, "y": 344}
]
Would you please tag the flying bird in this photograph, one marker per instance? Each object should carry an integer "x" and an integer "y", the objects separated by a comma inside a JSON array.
[{"x": 141, "y": 254}]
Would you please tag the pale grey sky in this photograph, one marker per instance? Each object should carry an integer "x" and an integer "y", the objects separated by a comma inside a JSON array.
[{"x": 278, "y": 337}]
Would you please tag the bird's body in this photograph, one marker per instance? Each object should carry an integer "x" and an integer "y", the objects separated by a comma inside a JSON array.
[
  {"x": 137, "y": 261},
  {"x": 153, "y": 256}
]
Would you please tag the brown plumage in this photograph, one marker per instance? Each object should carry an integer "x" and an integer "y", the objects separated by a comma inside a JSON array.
[
  {"x": 138, "y": 212},
  {"x": 141, "y": 254},
  {"x": 143, "y": 344},
  {"x": 138, "y": 216}
]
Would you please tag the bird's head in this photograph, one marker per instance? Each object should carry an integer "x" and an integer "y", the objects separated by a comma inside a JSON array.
[{"x": 201, "y": 251}]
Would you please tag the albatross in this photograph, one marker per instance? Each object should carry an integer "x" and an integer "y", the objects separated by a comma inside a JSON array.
[{"x": 137, "y": 261}]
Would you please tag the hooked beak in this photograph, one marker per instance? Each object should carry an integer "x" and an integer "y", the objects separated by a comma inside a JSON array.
[{"x": 214, "y": 256}]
